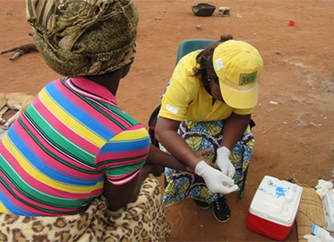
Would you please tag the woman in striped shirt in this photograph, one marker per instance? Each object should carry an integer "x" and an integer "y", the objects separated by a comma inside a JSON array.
[{"x": 74, "y": 145}]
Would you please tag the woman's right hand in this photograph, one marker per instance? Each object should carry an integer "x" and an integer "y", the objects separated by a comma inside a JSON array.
[{"x": 216, "y": 181}]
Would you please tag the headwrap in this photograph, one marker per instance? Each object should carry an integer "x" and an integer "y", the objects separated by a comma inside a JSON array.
[{"x": 84, "y": 37}]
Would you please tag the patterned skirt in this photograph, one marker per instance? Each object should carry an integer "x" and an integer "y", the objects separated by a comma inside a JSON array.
[
  {"x": 203, "y": 135},
  {"x": 142, "y": 220}
]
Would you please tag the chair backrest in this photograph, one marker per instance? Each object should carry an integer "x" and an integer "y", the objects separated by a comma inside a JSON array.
[{"x": 190, "y": 45}]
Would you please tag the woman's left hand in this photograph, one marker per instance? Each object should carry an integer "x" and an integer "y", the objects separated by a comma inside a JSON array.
[{"x": 224, "y": 163}]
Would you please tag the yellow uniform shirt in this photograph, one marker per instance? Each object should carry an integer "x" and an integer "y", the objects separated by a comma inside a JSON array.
[{"x": 187, "y": 98}]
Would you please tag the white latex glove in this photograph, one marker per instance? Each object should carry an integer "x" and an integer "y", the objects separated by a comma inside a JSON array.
[
  {"x": 312, "y": 238},
  {"x": 216, "y": 181},
  {"x": 324, "y": 236},
  {"x": 223, "y": 161}
]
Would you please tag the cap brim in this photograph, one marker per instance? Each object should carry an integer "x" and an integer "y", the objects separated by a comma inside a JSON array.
[{"x": 240, "y": 99}]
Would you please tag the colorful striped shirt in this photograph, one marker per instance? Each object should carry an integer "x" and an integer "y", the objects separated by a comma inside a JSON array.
[{"x": 55, "y": 157}]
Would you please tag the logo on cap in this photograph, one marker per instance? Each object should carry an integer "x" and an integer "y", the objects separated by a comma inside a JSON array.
[{"x": 246, "y": 79}]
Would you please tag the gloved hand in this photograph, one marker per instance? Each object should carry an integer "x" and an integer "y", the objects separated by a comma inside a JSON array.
[
  {"x": 223, "y": 161},
  {"x": 215, "y": 180},
  {"x": 323, "y": 237}
]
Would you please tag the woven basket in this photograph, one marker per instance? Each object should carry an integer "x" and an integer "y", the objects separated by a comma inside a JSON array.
[{"x": 310, "y": 212}]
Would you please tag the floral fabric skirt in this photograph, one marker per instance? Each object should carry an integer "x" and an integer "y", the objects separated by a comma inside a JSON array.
[{"x": 202, "y": 135}]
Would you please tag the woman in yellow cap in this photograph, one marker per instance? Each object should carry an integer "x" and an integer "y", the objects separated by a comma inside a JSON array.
[{"x": 208, "y": 104}]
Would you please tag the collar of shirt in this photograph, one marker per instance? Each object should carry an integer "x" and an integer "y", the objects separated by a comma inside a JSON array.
[{"x": 91, "y": 89}]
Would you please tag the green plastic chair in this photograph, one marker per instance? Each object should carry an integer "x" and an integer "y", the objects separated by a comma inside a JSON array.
[{"x": 190, "y": 45}]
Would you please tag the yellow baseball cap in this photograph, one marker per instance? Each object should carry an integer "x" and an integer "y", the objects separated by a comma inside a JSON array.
[{"x": 238, "y": 66}]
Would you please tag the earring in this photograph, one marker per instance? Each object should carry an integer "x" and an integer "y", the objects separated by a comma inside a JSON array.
[{"x": 209, "y": 79}]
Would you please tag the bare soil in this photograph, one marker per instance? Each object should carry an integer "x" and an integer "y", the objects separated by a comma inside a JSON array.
[{"x": 294, "y": 116}]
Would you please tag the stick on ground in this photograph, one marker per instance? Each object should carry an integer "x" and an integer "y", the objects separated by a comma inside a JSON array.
[{"x": 20, "y": 50}]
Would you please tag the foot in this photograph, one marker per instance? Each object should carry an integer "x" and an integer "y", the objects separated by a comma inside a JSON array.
[
  {"x": 203, "y": 205},
  {"x": 220, "y": 210}
]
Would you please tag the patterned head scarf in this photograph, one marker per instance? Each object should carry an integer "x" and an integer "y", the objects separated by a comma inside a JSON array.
[{"x": 84, "y": 37}]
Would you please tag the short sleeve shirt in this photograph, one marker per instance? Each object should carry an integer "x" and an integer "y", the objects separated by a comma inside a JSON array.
[
  {"x": 56, "y": 156},
  {"x": 186, "y": 97}
]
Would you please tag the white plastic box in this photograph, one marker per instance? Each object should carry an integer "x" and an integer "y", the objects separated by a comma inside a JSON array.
[
  {"x": 274, "y": 208},
  {"x": 328, "y": 205}
]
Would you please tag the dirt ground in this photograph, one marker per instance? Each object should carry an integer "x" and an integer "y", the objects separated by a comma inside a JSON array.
[{"x": 294, "y": 116}]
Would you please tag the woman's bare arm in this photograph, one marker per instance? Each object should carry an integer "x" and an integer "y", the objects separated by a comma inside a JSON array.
[
  {"x": 120, "y": 195},
  {"x": 234, "y": 128},
  {"x": 166, "y": 132},
  {"x": 158, "y": 157}
]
